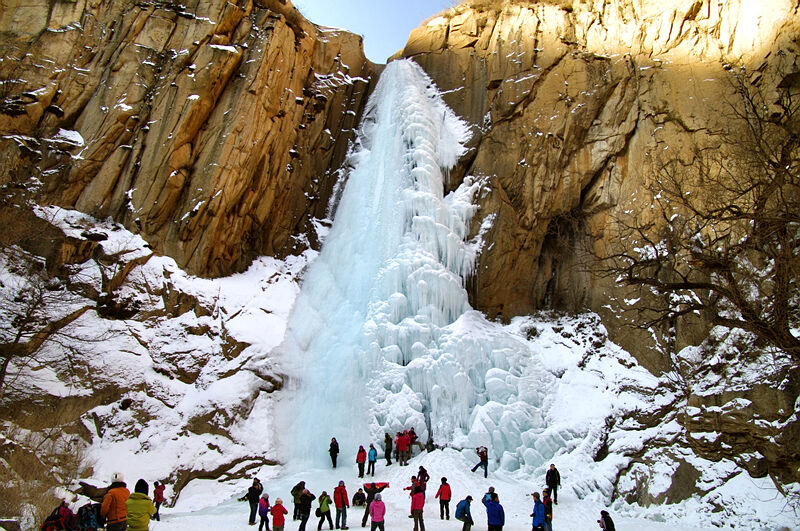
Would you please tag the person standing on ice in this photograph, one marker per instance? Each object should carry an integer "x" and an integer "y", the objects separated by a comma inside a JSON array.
[
  {"x": 397, "y": 448},
  {"x": 324, "y": 510},
  {"x": 372, "y": 458},
  {"x": 361, "y": 458},
  {"x": 252, "y": 496},
  {"x": 341, "y": 503},
  {"x": 537, "y": 524},
  {"x": 372, "y": 490},
  {"x": 296, "y": 492},
  {"x": 158, "y": 498},
  {"x": 417, "y": 505},
  {"x": 548, "y": 510},
  {"x": 495, "y": 516},
  {"x": 444, "y": 494},
  {"x": 334, "y": 451},
  {"x": 483, "y": 455},
  {"x": 553, "y": 480},
  {"x": 402, "y": 448},
  {"x": 387, "y": 448},
  {"x": 304, "y": 506},
  {"x": 377, "y": 512},
  {"x": 279, "y": 513},
  {"x": 463, "y": 513},
  {"x": 263, "y": 511}
]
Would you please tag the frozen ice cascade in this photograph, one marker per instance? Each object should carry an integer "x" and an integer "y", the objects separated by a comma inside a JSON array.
[{"x": 382, "y": 337}]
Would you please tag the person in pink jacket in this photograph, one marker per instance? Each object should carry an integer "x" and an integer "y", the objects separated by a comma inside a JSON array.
[
  {"x": 377, "y": 511},
  {"x": 417, "y": 504}
]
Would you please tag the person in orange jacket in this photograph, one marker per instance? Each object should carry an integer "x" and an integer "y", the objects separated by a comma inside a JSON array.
[
  {"x": 444, "y": 494},
  {"x": 113, "y": 508}
]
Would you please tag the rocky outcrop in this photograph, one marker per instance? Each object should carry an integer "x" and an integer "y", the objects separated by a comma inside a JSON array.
[
  {"x": 211, "y": 128},
  {"x": 569, "y": 102}
]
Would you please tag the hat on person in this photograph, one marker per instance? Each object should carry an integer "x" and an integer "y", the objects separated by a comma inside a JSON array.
[
  {"x": 278, "y": 501},
  {"x": 141, "y": 487},
  {"x": 377, "y": 497},
  {"x": 116, "y": 477}
]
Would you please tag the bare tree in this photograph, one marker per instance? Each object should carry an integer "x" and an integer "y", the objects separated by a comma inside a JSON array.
[{"x": 725, "y": 240}]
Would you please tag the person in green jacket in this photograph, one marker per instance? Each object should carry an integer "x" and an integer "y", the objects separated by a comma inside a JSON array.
[
  {"x": 140, "y": 508},
  {"x": 324, "y": 510}
]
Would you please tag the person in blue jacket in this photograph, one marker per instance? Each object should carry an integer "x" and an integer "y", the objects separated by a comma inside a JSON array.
[
  {"x": 372, "y": 457},
  {"x": 495, "y": 516},
  {"x": 463, "y": 513},
  {"x": 538, "y": 513}
]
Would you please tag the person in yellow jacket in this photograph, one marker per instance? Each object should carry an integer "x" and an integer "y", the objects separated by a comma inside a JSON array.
[
  {"x": 113, "y": 507},
  {"x": 140, "y": 508}
]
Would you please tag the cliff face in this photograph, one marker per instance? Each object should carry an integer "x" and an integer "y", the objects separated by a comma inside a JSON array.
[
  {"x": 569, "y": 100},
  {"x": 209, "y": 127}
]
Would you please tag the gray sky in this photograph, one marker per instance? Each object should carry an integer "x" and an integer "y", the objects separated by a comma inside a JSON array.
[{"x": 385, "y": 24}]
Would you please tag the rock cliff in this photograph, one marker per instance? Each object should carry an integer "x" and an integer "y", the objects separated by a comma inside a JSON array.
[
  {"x": 212, "y": 128},
  {"x": 571, "y": 103},
  {"x": 568, "y": 101}
]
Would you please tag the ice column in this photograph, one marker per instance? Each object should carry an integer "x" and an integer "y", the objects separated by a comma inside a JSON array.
[{"x": 382, "y": 336}]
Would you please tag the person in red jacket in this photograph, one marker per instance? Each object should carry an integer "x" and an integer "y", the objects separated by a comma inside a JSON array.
[
  {"x": 444, "y": 494},
  {"x": 158, "y": 498},
  {"x": 417, "y": 504},
  {"x": 278, "y": 515},
  {"x": 402, "y": 449},
  {"x": 361, "y": 458},
  {"x": 342, "y": 503}
]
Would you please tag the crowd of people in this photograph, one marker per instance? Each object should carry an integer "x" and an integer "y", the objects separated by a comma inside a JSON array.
[{"x": 369, "y": 500}]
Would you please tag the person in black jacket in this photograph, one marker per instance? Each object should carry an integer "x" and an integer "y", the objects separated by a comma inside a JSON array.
[
  {"x": 371, "y": 490},
  {"x": 387, "y": 449},
  {"x": 553, "y": 480},
  {"x": 304, "y": 507},
  {"x": 296, "y": 492},
  {"x": 606, "y": 523},
  {"x": 252, "y": 496},
  {"x": 334, "y": 451}
]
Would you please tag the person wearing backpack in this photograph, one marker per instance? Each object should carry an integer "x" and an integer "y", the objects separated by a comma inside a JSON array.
[
  {"x": 463, "y": 513},
  {"x": 158, "y": 498},
  {"x": 263, "y": 512},
  {"x": 113, "y": 508},
  {"x": 139, "y": 507},
  {"x": 324, "y": 510}
]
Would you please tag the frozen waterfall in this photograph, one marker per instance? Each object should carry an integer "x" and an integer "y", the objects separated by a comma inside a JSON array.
[{"x": 382, "y": 337}]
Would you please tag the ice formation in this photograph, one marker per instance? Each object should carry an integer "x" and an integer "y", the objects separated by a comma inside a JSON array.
[{"x": 382, "y": 336}]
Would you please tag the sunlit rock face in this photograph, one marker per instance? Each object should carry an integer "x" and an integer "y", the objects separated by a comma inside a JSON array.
[
  {"x": 209, "y": 127},
  {"x": 570, "y": 103}
]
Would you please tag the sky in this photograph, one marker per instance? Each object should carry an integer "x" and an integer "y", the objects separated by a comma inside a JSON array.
[{"x": 384, "y": 24}]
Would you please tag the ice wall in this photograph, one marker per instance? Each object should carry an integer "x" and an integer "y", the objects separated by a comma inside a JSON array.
[{"x": 382, "y": 336}]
